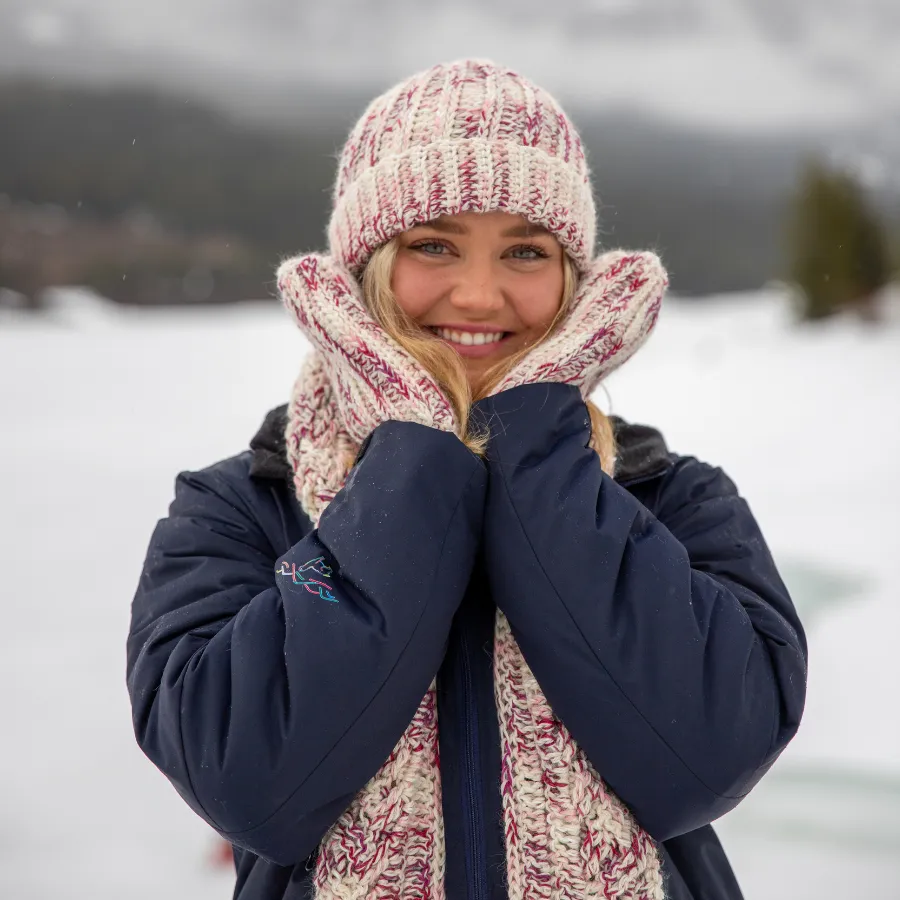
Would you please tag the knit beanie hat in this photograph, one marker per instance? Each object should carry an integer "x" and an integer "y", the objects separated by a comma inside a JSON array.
[{"x": 467, "y": 136}]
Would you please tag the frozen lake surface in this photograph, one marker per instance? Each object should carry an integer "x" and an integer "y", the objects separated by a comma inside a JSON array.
[{"x": 101, "y": 407}]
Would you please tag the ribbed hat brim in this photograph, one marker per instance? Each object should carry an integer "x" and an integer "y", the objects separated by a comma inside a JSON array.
[{"x": 454, "y": 176}]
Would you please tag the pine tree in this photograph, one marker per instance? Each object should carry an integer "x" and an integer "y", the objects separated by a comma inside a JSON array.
[{"x": 838, "y": 248}]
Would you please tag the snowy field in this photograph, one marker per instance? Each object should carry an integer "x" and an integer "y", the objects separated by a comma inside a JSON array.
[{"x": 100, "y": 408}]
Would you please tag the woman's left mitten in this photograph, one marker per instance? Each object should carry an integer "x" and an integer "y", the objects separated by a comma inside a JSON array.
[{"x": 616, "y": 305}]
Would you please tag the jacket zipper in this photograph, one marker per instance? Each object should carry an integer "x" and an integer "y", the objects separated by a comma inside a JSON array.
[{"x": 472, "y": 786}]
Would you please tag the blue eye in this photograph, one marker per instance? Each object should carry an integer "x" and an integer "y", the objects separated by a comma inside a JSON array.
[
  {"x": 538, "y": 252},
  {"x": 424, "y": 244}
]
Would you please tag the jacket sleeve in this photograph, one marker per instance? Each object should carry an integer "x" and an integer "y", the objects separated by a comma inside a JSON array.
[
  {"x": 668, "y": 646},
  {"x": 269, "y": 691}
]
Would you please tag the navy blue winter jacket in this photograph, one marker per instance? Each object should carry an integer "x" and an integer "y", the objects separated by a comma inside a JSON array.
[{"x": 272, "y": 667}]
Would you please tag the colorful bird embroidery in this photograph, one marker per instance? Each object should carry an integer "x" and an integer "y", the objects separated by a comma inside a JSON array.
[{"x": 314, "y": 586}]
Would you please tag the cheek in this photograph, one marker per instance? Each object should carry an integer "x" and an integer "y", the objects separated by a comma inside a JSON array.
[
  {"x": 415, "y": 288},
  {"x": 537, "y": 299}
]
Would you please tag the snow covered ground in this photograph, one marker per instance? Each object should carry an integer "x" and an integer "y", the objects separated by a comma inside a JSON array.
[{"x": 101, "y": 407}]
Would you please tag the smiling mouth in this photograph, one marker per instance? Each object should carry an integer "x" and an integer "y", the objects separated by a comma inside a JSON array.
[{"x": 471, "y": 338}]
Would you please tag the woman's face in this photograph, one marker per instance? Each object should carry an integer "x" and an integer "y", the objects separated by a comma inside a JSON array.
[{"x": 489, "y": 284}]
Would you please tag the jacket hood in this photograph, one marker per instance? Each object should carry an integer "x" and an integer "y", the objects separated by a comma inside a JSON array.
[{"x": 642, "y": 450}]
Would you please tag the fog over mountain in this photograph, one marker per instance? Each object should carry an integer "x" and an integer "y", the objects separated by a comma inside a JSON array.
[{"x": 694, "y": 111}]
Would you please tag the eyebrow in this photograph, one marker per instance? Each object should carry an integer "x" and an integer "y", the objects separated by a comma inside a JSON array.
[{"x": 526, "y": 230}]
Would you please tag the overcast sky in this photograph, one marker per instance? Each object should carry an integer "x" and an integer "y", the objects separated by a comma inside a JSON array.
[{"x": 734, "y": 64}]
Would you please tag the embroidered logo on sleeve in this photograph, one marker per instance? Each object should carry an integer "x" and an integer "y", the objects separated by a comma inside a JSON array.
[{"x": 301, "y": 575}]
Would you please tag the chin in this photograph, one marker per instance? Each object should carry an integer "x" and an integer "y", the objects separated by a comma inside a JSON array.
[{"x": 478, "y": 369}]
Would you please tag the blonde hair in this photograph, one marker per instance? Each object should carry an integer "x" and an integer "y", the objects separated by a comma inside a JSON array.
[{"x": 445, "y": 365}]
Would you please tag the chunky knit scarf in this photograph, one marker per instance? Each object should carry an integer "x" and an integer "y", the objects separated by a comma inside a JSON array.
[{"x": 567, "y": 836}]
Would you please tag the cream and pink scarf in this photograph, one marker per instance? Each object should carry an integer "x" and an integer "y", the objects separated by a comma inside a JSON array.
[{"x": 567, "y": 836}]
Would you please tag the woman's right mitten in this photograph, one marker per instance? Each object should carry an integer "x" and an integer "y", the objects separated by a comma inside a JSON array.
[{"x": 373, "y": 377}]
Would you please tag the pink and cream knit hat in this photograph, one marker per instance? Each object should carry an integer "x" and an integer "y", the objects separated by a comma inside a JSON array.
[{"x": 467, "y": 136}]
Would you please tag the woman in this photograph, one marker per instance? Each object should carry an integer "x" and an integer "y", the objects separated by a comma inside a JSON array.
[{"x": 445, "y": 630}]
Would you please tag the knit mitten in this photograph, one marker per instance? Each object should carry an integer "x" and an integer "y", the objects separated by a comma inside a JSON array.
[
  {"x": 373, "y": 379},
  {"x": 615, "y": 307}
]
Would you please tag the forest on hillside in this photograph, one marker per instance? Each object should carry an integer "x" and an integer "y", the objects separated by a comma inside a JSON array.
[{"x": 151, "y": 198}]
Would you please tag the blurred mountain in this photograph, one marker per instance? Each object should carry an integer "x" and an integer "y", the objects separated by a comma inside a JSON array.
[
  {"x": 696, "y": 113},
  {"x": 714, "y": 206}
]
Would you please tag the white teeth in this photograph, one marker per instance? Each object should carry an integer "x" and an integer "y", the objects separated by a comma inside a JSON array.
[{"x": 469, "y": 338}]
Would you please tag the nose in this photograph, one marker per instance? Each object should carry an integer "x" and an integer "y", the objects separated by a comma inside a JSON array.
[{"x": 477, "y": 291}]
